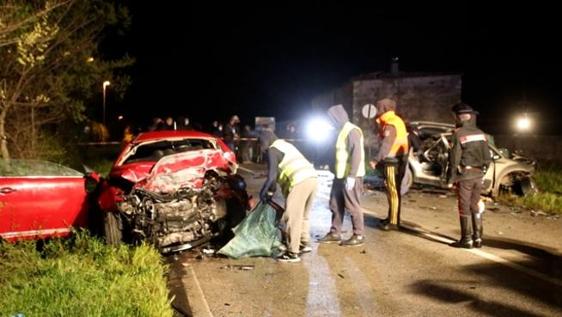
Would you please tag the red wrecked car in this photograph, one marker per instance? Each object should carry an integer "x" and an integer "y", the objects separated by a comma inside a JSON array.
[
  {"x": 41, "y": 199},
  {"x": 175, "y": 189}
]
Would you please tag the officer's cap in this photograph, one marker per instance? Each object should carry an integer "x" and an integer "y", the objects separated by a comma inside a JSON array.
[{"x": 462, "y": 107}]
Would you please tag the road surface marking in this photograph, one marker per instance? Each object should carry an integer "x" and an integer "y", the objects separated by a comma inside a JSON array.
[
  {"x": 322, "y": 291},
  {"x": 478, "y": 252},
  {"x": 363, "y": 289},
  {"x": 200, "y": 295}
]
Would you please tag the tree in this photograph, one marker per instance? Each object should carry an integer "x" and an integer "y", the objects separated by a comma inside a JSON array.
[{"x": 51, "y": 66}]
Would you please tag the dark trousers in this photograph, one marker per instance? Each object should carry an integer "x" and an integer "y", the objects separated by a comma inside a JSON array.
[
  {"x": 468, "y": 195},
  {"x": 342, "y": 199},
  {"x": 394, "y": 170}
]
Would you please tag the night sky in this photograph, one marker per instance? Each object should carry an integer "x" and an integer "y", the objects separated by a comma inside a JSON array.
[{"x": 209, "y": 60}]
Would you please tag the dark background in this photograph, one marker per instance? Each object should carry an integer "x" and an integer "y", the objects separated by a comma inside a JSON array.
[{"x": 209, "y": 60}]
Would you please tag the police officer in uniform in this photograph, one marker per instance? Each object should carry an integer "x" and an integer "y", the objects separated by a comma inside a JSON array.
[
  {"x": 393, "y": 156},
  {"x": 347, "y": 186},
  {"x": 298, "y": 180},
  {"x": 468, "y": 160}
]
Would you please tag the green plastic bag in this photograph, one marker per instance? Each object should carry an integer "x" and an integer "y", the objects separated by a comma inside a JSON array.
[{"x": 256, "y": 235}]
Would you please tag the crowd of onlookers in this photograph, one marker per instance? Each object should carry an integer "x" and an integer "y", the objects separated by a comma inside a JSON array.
[{"x": 240, "y": 140}]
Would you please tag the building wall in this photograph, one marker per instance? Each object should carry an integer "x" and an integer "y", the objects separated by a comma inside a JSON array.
[{"x": 419, "y": 98}]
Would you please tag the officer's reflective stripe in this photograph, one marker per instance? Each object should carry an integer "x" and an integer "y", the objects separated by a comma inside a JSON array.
[
  {"x": 294, "y": 168},
  {"x": 342, "y": 156},
  {"x": 393, "y": 199},
  {"x": 472, "y": 138}
]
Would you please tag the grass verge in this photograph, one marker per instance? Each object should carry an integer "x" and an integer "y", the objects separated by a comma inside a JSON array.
[
  {"x": 549, "y": 198},
  {"x": 81, "y": 276}
]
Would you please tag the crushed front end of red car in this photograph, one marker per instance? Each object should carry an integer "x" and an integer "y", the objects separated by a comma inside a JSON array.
[{"x": 186, "y": 199}]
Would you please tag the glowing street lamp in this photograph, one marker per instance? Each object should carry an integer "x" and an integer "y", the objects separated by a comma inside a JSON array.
[
  {"x": 523, "y": 123},
  {"x": 105, "y": 84}
]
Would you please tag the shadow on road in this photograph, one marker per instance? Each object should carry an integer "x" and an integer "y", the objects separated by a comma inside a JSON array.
[
  {"x": 410, "y": 228},
  {"x": 178, "y": 293},
  {"x": 452, "y": 292}
]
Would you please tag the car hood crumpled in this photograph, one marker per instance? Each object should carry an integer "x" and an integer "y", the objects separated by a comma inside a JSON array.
[{"x": 186, "y": 169}]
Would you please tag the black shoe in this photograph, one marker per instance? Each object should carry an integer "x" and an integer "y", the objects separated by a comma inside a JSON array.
[
  {"x": 330, "y": 237},
  {"x": 289, "y": 257},
  {"x": 477, "y": 229},
  {"x": 477, "y": 243},
  {"x": 389, "y": 226},
  {"x": 466, "y": 234},
  {"x": 355, "y": 240},
  {"x": 462, "y": 243}
]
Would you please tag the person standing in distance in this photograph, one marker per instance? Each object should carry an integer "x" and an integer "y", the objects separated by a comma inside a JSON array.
[
  {"x": 468, "y": 161},
  {"x": 347, "y": 186}
]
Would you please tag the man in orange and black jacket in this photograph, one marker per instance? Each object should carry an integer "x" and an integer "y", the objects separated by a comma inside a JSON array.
[{"x": 393, "y": 155}]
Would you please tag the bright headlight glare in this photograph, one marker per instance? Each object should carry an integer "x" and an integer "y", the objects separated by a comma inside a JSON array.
[
  {"x": 318, "y": 130},
  {"x": 523, "y": 124}
]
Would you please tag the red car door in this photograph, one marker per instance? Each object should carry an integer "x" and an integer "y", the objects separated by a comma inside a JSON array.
[{"x": 41, "y": 206}]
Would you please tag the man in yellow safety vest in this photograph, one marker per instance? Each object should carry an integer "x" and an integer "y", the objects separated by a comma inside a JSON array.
[
  {"x": 393, "y": 154},
  {"x": 347, "y": 186},
  {"x": 297, "y": 178}
]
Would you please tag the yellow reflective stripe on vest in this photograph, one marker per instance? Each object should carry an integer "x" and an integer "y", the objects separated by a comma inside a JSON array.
[
  {"x": 342, "y": 156},
  {"x": 294, "y": 168}
]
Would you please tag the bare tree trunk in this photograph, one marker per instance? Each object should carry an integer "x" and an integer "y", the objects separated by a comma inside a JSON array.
[
  {"x": 33, "y": 134},
  {"x": 3, "y": 138}
]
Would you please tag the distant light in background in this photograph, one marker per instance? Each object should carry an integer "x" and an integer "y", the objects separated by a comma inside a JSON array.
[
  {"x": 523, "y": 123},
  {"x": 318, "y": 130},
  {"x": 90, "y": 59},
  {"x": 120, "y": 117}
]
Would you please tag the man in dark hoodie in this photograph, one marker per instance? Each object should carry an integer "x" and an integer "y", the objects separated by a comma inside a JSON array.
[
  {"x": 297, "y": 178},
  {"x": 349, "y": 169},
  {"x": 468, "y": 160}
]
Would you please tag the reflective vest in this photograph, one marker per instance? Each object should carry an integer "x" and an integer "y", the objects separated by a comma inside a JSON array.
[
  {"x": 342, "y": 155},
  {"x": 294, "y": 168},
  {"x": 400, "y": 145}
]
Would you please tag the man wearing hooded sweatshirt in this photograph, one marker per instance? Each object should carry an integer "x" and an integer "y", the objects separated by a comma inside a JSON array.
[
  {"x": 297, "y": 178},
  {"x": 349, "y": 170},
  {"x": 393, "y": 156},
  {"x": 468, "y": 160}
]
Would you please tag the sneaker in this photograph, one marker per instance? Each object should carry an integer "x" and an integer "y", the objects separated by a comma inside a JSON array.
[
  {"x": 305, "y": 249},
  {"x": 289, "y": 258},
  {"x": 330, "y": 237},
  {"x": 355, "y": 240}
]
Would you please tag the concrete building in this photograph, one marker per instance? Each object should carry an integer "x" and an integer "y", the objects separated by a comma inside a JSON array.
[{"x": 420, "y": 96}]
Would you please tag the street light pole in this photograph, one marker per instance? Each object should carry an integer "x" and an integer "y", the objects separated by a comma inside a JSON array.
[{"x": 105, "y": 84}]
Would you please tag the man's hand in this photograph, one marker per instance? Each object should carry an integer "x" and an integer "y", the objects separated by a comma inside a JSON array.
[
  {"x": 373, "y": 164},
  {"x": 349, "y": 183}
]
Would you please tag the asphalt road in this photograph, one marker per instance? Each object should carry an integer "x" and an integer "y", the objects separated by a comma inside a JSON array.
[{"x": 412, "y": 272}]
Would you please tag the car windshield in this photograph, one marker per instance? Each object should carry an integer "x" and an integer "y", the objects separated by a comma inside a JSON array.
[
  {"x": 151, "y": 152},
  {"x": 19, "y": 168}
]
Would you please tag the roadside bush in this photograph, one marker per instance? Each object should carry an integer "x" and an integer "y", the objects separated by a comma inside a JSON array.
[
  {"x": 549, "y": 198},
  {"x": 81, "y": 276}
]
